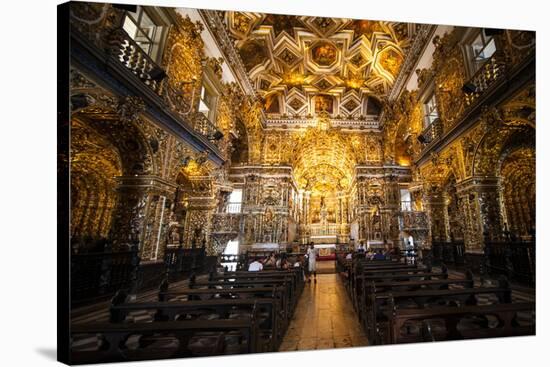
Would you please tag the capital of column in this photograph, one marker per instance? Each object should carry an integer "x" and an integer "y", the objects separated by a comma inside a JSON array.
[
  {"x": 477, "y": 184},
  {"x": 146, "y": 183}
]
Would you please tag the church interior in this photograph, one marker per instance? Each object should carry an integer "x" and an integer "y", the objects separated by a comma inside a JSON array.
[{"x": 397, "y": 158}]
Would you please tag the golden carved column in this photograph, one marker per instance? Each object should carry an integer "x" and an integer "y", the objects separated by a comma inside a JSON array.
[
  {"x": 435, "y": 208},
  {"x": 479, "y": 199},
  {"x": 141, "y": 214}
]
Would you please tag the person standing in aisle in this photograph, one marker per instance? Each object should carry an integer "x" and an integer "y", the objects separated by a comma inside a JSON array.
[{"x": 312, "y": 262}]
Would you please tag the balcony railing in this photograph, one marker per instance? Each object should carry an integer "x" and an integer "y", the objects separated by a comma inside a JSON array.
[
  {"x": 121, "y": 46},
  {"x": 414, "y": 220},
  {"x": 233, "y": 208},
  {"x": 432, "y": 132},
  {"x": 486, "y": 76},
  {"x": 204, "y": 126},
  {"x": 226, "y": 223}
]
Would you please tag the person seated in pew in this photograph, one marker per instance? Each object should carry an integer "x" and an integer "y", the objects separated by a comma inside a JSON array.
[
  {"x": 370, "y": 254},
  {"x": 255, "y": 266},
  {"x": 282, "y": 262},
  {"x": 349, "y": 256},
  {"x": 361, "y": 249},
  {"x": 271, "y": 260},
  {"x": 285, "y": 264},
  {"x": 379, "y": 255}
]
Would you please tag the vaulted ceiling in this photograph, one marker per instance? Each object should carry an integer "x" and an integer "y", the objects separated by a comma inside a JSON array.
[{"x": 303, "y": 65}]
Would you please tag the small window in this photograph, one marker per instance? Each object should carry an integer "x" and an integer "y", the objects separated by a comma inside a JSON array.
[
  {"x": 483, "y": 47},
  {"x": 142, "y": 29},
  {"x": 232, "y": 248},
  {"x": 430, "y": 111},
  {"x": 207, "y": 103},
  {"x": 235, "y": 201},
  {"x": 406, "y": 205}
]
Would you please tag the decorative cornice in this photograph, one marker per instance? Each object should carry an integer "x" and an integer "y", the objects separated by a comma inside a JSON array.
[
  {"x": 416, "y": 50},
  {"x": 414, "y": 54},
  {"x": 217, "y": 28},
  {"x": 146, "y": 181},
  {"x": 368, "y": 123}
]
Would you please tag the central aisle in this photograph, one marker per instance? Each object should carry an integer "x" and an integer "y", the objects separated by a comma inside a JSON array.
[{"x": 324, "y": 318}]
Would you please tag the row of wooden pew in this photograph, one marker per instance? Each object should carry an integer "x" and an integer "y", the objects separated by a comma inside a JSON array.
[
  {"x": 228, "y": 313},
  {"x": 398, "y": 302}
]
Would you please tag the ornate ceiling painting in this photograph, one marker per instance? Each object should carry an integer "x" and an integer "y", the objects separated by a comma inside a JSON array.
[
  {"x": 318, "y": 71},
  {"x": 303, "y": 65}
]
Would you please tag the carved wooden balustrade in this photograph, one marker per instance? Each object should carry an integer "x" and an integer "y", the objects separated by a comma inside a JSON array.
[
  {"x": 414, "y": 220},
  {"x": 485, "y": 77},
  {"x": 98, "y": 274},
  {"x": 203, "y": 125},
  {"x": 225, "y": 227},
  {"x": 121, "y": 46},
  {"x": 449, "y": 253},
  {"x": 226, "y": 223},
  {"x": 516, "y": 260},
  {"x": 181, "y": 262},
  {"x": 432, "y": 132}
]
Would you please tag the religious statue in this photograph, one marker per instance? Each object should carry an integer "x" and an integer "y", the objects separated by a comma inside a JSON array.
[{"x": 175, "y": 236}]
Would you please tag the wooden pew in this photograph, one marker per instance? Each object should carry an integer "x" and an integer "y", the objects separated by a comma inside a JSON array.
[
  {"x": 187, "y": 340},
  {"x": 264, "y": 310},
  {"x": 451, "y": 323},
  {"x": 412, "y": 285},
  {"x": 359, "y": 266},
  {"x": 275, "y": 293},
  {"x": 395, "y": 274},
  {"x": 295, "y": 274},
  {"x": 378, "y": 308},
  {"x": 286, "y": 284}
]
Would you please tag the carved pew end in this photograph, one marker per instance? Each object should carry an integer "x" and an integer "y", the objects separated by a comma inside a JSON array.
[{"x": 119, "y": 298}]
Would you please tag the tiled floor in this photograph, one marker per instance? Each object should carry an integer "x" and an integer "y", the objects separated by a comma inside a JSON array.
[{"x": 324, "y": 318}]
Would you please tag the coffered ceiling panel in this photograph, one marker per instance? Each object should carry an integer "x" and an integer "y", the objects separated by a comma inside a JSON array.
[{"x": 301, "y": 65}]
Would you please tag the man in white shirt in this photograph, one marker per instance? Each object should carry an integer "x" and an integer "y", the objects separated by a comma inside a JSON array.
[
  {"x": 255, "y": 266},
  {"x": 312, "y": 262}
]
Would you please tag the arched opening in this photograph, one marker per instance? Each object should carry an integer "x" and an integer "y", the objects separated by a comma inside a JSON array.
[
  {"x": 402, "y": 151},
  {"x": 95, "y": 164},
  {"x": 517, "y": 174}
]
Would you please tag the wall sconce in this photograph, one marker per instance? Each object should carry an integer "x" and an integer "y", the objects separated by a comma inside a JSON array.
[
  {"x": 157, "y": 74},
  {"x": 469, "y": 88},
  {"x": 218, "y": 135}
]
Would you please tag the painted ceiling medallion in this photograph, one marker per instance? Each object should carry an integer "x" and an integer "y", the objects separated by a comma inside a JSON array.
[
  {"x": 323, "y": 84},
  {"x": 324, "y": 53}
]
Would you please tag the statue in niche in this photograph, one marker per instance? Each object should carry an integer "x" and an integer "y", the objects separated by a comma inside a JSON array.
[
  {"x": 375, "y": 218},
  {"x": 268, "y": 224},
  {"x": 175, "y": 236},
  {"x": 268, "y": 216},
  {"x": 223, "y": 201}
]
